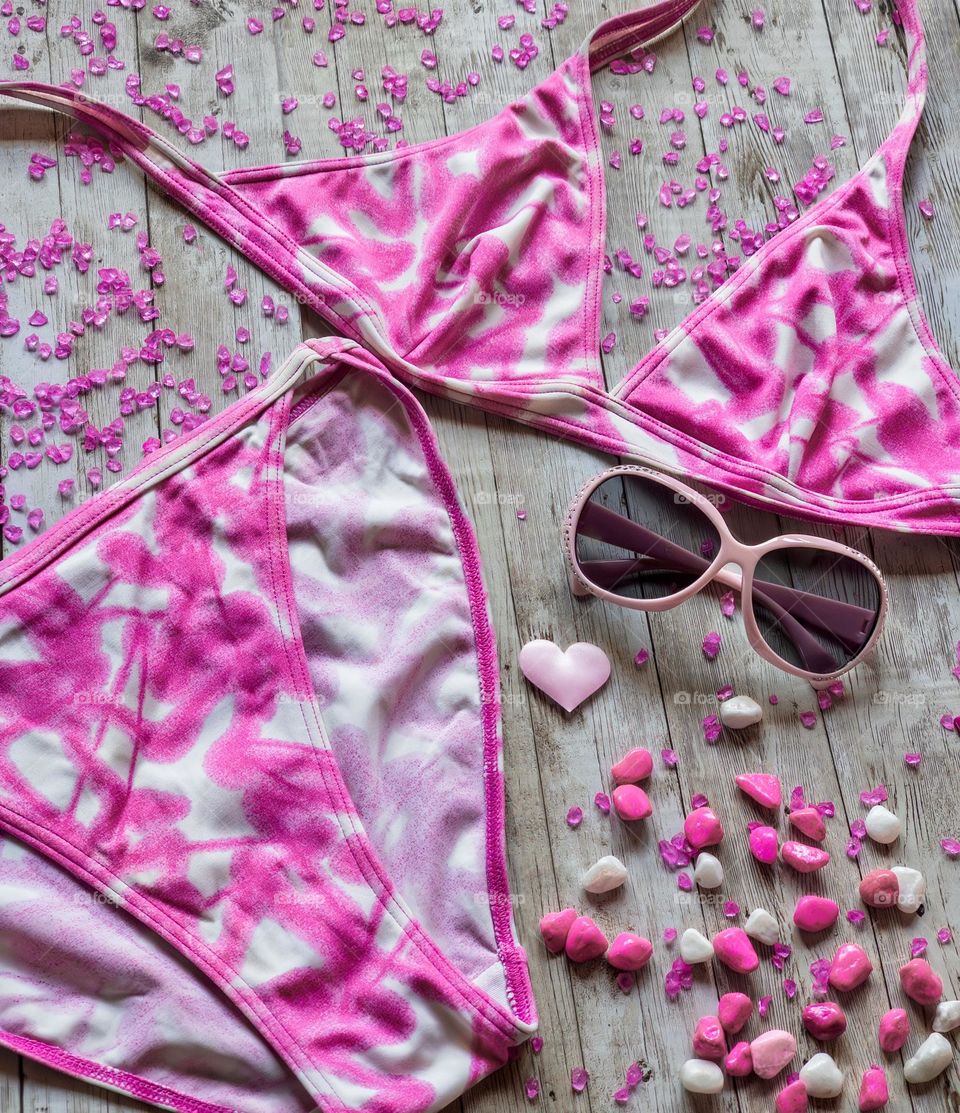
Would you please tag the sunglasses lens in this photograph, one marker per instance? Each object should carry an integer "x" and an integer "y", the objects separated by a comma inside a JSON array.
[
  {"x": 639, "y": 539},
  {"x": 815, "y": 609}
]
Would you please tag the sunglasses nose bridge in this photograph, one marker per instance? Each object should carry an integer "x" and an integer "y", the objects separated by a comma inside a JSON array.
[{"x": 731, "y": 576}]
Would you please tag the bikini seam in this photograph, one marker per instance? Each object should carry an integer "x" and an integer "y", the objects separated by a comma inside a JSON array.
[
  {"x": 154, "y": 917},
  {"x": 133, "y": 1084}
]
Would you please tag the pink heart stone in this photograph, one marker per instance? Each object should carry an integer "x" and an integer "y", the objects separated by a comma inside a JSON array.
[
  {"x": 804, "y": 858},
  {"x": 554, "y": 927},
  {"x": 764, "y": 844},
  {"x": 734, "y": 949},
  {"x": 739, "y": 1061},
  {"x": 874, "y": 1092},
  {"x": 815, "y": 913},
  {"x": 629, "y": 952},
  {"x": 568, "y": 676},
  {"x": 851, "y": 967},
  {"x": 920, "y": 982},
  {"x": 771, "y": 1052},
  {"x": 635, "y": 766},
  {"x": 631, "y": 802},
  {"x": 585, "y": 940},
  {"x": 880, "y": 889},
  {"x": 809, "y": 822},
  {"x": 764, "y": 788},
  {"x": 824, "y": 1020},
  {"x": 734, "y": 1010},
  {"x": 709, "y": 1042},
  {"x": 894, "y": 1030},
  {"x": 792, "y": 1098},
  {"x": 703, "y": 828}
]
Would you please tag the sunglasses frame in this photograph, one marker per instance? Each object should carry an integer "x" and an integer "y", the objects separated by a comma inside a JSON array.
[{"x": 731, "y": 551}]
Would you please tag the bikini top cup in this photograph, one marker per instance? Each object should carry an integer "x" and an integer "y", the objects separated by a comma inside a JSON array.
[{"x": 808, "y": 382}]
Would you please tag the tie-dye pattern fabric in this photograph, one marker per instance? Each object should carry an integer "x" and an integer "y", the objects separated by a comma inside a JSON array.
[
  {"x": 808, "y": 382},
  {"x": 238, "y": 694}
]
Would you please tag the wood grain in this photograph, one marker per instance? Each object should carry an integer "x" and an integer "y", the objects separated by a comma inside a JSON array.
[{"x": 553, "y": 761}]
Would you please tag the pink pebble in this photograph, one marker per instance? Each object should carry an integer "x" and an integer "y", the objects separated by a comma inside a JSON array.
[
  {"x": 824, "y": 1020},
  {"x": 815, "y": 913},
  {"x": 880, "y": 889},
  {"x": 739, "y": 1061},
  {"x": 772, "y": 1051},
  {"x": 734, "y": 949},
  {"x": 629, "y": 951},
  {"x": 874, "y": 1093},
  {"x": 792, "y": 1098},
  {"x": 764, "y": 845},
  {"x": 709, "y": 1042},
  {"x": 764, "y": 788},
  {"x": 851, "y": 967},
  {"x": 804, "y": 858},
  {"x": 631, "y": 802},
  {"x": 809, "y": 822},
  {"x": 636, "y": 766},
  {"x": 703, "y": 828},
  {"x": 734, "y": 1010},
  {"x": 585, "y": 940},
  {"x": 920, "y": 982},
  {"x": 894, "y": 1030},
  {"x": 555, "y": 927}
]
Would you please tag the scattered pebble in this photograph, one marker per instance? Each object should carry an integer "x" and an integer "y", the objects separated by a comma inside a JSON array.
[
  {"x": 762, "y": 926},
  {"x": 821, "y": 1076},
  {"x": 772, "y": 1052},
  {"x": 882, "y": 825},
  {"x": 894, "y": 1030},
  {"x": 740, "y": 712},
  {"x": 695, "y": 948},
  {"x": 605, "y": 875},
  {"x": 700, "y": 1076},
  {"x": 930, "y": 1059},
  {"x": 708, "y": 872}
]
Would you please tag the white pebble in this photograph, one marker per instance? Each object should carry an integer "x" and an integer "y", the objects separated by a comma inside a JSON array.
[
  {"x": 700, "y": 1076},
  {"x": 882, "y": 825},
  {"x": 708, "y": 872},
  {"x": 947, "y": 1016},
  {"x": 762, "y": 926},
  {"x": 931, "y": 1058},
  {"x": 821, "y": 1076},
  {"x": 739, "y": 712},
  {"x": 605, "y": 875},
  {"x": 913, "y": 888},
  {"x": 695, "y": 948}
]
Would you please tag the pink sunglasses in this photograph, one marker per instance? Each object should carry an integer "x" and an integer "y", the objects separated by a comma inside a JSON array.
[{"x": 646, "y": 541}]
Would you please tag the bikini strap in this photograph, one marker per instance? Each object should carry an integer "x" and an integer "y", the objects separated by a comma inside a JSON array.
[
  {"x": 176, "y": 174},
  {"x": 642, "y": 27},
  {"x": 898, "y": 143}
]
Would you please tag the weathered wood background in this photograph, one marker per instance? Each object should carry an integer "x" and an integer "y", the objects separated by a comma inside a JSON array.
[{"x": 893, "y": 705}]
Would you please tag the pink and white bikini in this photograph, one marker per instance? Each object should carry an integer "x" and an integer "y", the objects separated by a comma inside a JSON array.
[{"x": 249, "y": 722}]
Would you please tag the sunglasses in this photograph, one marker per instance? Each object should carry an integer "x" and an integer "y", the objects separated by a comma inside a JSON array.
[{"x": 646, "y": 541}]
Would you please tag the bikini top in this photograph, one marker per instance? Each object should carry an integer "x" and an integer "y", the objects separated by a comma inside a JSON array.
[{"x": 808, "y": 382}]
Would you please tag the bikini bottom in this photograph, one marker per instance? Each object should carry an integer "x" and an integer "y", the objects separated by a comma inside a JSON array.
[{"x": 251, "y": 790}]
